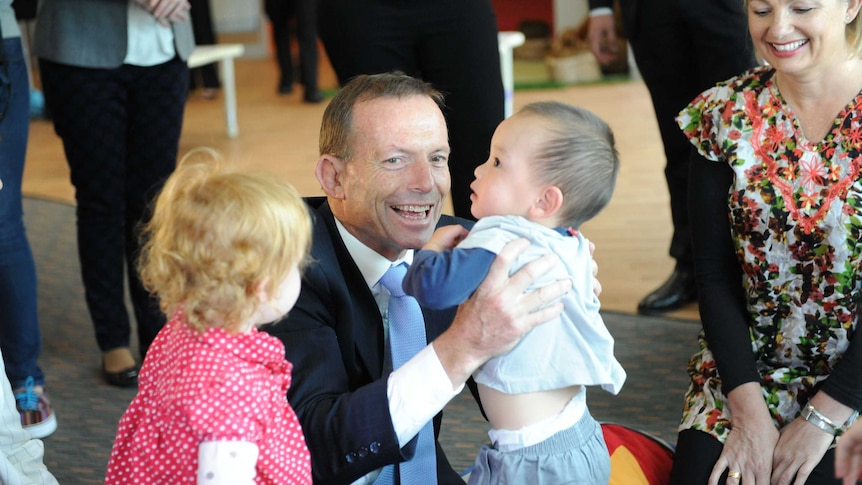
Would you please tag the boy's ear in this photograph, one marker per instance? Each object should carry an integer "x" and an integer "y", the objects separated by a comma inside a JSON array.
[
  {"x": 548, "y": 203},
  {"x": 329, "y": 172}
]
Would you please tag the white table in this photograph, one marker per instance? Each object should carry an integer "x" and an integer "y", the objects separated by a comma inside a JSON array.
[
  {"x": 224, "y": 54},
  {"x": 507, "y": 42}
]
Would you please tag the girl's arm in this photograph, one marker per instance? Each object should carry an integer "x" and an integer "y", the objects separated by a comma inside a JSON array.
[{"x": 227, "y": 463}]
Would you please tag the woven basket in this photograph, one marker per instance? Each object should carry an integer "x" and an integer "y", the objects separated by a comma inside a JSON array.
[{"x": 574, "y": 69}]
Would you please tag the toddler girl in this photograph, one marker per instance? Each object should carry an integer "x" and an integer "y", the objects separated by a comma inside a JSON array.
[{"x": 223, "y": 252}]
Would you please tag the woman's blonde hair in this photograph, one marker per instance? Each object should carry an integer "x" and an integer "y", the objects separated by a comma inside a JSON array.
[{"x": 215, "y": 236}]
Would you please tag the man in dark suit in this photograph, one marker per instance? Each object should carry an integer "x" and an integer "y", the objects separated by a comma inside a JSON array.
[
  {"x": 383, "y": 167},
  {"x": 452, "y": 44},
  {"x": 681, "y": 48}
]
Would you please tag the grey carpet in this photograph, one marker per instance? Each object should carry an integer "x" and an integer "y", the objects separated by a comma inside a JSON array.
[{"x": 654, "y": 352}]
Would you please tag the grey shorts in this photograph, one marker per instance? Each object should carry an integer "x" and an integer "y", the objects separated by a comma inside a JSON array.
[{"x": 577, "y": 455}]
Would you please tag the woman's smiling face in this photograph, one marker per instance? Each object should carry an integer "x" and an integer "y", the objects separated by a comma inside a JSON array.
[{"x": 799, "y": 36}]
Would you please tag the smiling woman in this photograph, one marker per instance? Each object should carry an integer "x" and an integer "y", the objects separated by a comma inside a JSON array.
[{"x": 777, "y": 357}]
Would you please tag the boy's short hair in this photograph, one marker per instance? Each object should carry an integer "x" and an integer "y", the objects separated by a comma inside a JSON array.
[
  {"x": 578, "y": 157},
  {"x": 215, "y": 235}
]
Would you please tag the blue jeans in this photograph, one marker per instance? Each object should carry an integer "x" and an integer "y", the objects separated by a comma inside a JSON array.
[{"x": 20, "y": 340}]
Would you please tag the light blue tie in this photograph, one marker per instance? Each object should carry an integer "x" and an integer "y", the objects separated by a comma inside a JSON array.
[{"x": 406, "y": 339}]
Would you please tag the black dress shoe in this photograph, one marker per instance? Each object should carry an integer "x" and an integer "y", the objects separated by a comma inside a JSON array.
[
  {"x": 678, "y": 291},
  {"x": 285, "y": 88},
  {"x": 313, "y": 96},
  {"x": 124, "y": 378}
]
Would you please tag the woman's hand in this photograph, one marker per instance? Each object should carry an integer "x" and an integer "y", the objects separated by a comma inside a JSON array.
[
  {"x": 802, "y": 445},
  {"x": 167, "y": 11},
  {"x": 800, "y": 448},
  {"x": 751, "y": 442}
]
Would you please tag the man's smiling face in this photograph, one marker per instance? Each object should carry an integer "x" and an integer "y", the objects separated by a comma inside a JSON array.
[{"x": 392, "y": 189}]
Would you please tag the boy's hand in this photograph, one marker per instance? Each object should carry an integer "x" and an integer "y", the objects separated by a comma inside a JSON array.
[{"x": 446, "y": 237}]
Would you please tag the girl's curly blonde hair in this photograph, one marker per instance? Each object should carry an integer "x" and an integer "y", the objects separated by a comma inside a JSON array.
[{"x": 215, "y": 236}]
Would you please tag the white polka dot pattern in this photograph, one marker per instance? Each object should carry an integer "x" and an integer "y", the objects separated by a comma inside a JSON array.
[{"x": 209, "y": 387}]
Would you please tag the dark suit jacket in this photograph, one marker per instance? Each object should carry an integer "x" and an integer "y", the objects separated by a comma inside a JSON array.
[{"x": 334, "y": 338}]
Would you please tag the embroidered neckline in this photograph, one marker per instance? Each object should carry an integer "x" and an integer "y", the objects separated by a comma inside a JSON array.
[{"x": 816, "y": 174}]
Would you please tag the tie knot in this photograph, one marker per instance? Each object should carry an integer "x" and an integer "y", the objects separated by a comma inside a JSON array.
[{"x": 393, "y": 278}]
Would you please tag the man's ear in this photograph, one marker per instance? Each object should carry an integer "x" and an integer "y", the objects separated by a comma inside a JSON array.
[
  {"x": 329, "y": 174},
  {"x": 548, "y": 203}
]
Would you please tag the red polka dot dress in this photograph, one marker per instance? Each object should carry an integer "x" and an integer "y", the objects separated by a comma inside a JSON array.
[{"x": 212, "y": 386}]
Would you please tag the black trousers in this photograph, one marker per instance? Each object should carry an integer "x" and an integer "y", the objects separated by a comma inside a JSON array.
[
  {"x": 697, "y": 452},
  {"x": 451, "y": 44},
  {"x": 681, "y": 49},
  {"x": 120, "y": 130},
  {"x": 280, "y": 13}
]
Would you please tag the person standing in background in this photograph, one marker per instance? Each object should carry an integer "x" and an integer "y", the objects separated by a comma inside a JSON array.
[
  {"x": 680, "y": 48},
  {"x": 451, "y": 44},
  {"x": 21, "y": 456},
  {"x": 115, "y": 79},
  {"x": 202, "y": 25},
  {"x": 20, "y": 338},
  {"x": 304, "y": 15}
]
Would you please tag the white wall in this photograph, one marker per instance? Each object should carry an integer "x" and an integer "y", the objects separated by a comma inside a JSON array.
[
  {"x": 231, "y": 16},
  {"x": 569, "y": 13}
]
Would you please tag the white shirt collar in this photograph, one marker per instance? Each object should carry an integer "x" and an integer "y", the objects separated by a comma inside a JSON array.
[{"x": 371, "y": 264}]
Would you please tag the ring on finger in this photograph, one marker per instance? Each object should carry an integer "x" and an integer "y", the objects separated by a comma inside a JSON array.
[{"x": 734, "y": 474}]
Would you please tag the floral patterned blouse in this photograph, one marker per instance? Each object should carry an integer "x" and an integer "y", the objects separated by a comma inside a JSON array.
[{"x": 795, "y": 212}]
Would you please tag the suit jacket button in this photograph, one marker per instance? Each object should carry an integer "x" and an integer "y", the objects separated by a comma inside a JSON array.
[
  {"x": 350, "y": 457},
  {"x": 362, "y": 452},
  {"x": 374, "y": 447}
]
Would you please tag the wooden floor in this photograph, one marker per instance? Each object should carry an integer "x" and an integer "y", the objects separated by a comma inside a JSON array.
[{"x": 279, "y": 134}]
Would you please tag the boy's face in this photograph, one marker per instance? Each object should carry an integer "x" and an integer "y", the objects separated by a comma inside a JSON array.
[{"x": 505, "y": 184}]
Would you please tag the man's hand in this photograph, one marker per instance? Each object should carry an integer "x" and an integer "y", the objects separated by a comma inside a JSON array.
[
  {"x": 602, "y": 37},
  {"x": 446, "y": 237},
  {"x": 499, "y": 313},
  {"x": 594, "y": 266},
  {"x": 167, "y": 11}
]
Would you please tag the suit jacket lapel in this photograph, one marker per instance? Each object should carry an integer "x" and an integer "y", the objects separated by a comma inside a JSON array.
[{"x": 363, "y": 315}]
